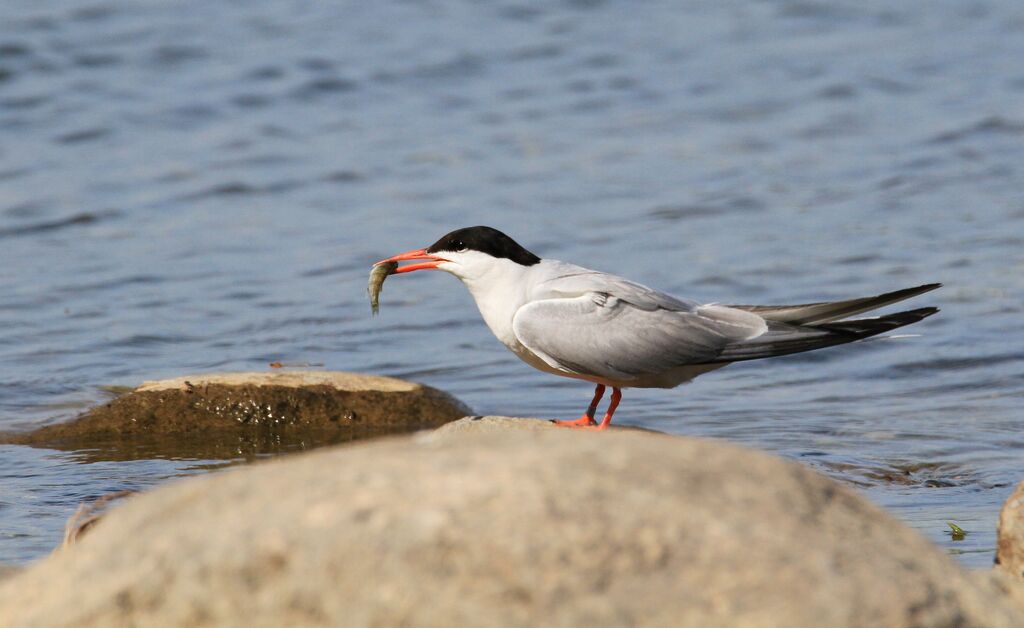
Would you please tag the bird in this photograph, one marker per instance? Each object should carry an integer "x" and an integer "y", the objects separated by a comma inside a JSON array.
[{"x": 585, "y": 324}]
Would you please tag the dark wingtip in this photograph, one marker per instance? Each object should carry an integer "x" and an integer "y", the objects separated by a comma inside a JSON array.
[
  {"x": 906, "y": 293},
  {"x": 911, "y": 316},
  {"x": 865, "y": 327},
  {"x": 916, "y": 290}
]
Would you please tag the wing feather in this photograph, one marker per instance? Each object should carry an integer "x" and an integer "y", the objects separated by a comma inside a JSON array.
[
  {"x": 784, "y": 339},
  {"x": 601, "y": 334},
  {"x": 573, "y": 281},
  {"x": 816, "y": 313}
]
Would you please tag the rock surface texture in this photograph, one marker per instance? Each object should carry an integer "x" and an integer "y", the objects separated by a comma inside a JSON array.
[
  {"x": 487, "y": 424},
  {"x": 7, "y": 571},
  {"x": 506, "y": 527},
  {"x": 268, "y": 402},
  {"x": 1010, "y": 543}
]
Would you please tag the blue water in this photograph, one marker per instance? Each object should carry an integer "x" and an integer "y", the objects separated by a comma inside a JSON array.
[{"x": 191, "y": 186}]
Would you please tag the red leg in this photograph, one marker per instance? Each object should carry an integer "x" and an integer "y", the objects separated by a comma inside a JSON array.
[
  {"x": 588, "y": 418},
  {"x": 607, "y": 420}
]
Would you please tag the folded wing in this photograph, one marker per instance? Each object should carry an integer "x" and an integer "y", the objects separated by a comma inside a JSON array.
[
  {"x": 590, "y": 323},
  {"x": 572, "y": 281},
  {"x": 601, "y": 334}
]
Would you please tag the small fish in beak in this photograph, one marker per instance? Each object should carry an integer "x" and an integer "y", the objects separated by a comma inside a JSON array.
[{"x": 378, "y": 274}]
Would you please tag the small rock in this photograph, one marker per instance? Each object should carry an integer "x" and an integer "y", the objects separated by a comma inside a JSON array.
[{"x": 1010, "y": 535}]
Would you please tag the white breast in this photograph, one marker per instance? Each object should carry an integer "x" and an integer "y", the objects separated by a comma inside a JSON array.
[
  {"x": 498, "y": 293},
  {"x": 500, "y": 287}
]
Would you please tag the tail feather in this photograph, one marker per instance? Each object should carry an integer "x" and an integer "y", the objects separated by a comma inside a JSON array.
[
  {"x": 784, "y": 338},
  {"x": 826, "y": 312}
]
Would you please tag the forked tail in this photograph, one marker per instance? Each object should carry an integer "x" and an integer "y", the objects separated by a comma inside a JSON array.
[
  {"x": 826, "y": 312},
  {"x": 785, "y": 338}
]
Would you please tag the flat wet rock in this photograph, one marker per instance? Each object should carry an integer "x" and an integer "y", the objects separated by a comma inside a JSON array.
[
  {"x": 216, "y": 414},
  {"x": 866, "y": 473}
]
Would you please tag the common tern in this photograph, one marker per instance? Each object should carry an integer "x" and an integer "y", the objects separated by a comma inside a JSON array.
[{"x": 580, "y": 323}]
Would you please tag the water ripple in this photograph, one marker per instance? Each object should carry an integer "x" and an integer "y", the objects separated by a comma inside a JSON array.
[
  {"x": 260, "y": 158},
  {"x": 84, "y": 218}
]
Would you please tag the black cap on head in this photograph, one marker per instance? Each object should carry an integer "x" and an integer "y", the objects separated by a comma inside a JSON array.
[{"x": 485, "y": 240}]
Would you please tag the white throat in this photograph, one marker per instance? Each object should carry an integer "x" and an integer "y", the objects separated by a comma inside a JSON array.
[{"x": 499, "y": 286}]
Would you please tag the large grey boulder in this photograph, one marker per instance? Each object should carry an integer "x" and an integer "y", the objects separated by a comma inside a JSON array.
[
  {"x": 7, "y": 571},
  {"x": 511, "y": 527},
  {"x": 217, "y": 415},
  {"x": 1010, "y": 587}
]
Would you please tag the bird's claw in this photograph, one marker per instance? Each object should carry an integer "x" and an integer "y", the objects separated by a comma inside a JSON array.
[{"x": 583, "y": 421}]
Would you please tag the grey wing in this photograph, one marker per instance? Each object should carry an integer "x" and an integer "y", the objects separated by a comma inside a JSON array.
[
  {"x": 570, "y": 280},
  {"x": 599, "y": 334}
]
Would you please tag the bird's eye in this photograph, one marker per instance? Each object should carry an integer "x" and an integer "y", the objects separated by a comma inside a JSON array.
[{"x": 459, "y": 246}]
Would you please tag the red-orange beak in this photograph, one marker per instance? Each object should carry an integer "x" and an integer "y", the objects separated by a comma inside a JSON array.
[{"x": 418, "y": 254}]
